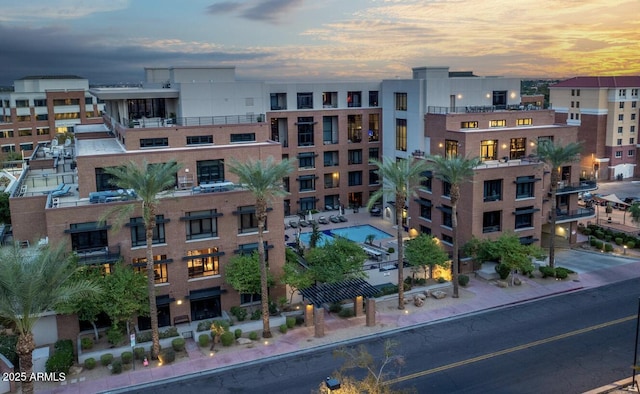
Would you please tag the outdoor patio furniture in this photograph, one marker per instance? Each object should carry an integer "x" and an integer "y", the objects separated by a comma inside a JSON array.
[
  {"x": 304, "y": 223},
  {"x": 342, "y": 218},
  {"x": 323, "y": 220},
  {"x": 293, "y": 224},
  {"x": 65, "y": 191},
  {"x": 334, "y": 219}
]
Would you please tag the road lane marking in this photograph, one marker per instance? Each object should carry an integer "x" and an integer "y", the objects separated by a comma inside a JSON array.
[{"x": 509, "y": 350}]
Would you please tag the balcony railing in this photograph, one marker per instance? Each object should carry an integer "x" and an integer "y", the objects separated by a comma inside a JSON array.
[
  {"x": 105, "y": 255},
  {"x": 193, "y": 121},
  {"x": 569, "y": 188},
  {"x": 481, "y": 108},
  {"x": 574, "y": 214}
]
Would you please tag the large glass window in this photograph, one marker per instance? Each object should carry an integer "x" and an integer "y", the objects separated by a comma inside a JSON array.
[
  {"x": 425, "y": 208},
  {"x": 518, "y": 148},
  {"x": 374, "y": 127},
  {"x": 491, "y": 221},
  {"x": 88, "y": 235},
  {"x": 525, "y": 186},
  {"x": 242, "y": 137},
  {"x": 278, "y": 101},
  {"x": 401, "y": 135},
  {"x": 374, "y": 178},
  {"x": 145, "y": 108},
  {"x": 489, "y": 150},
  {"x": 247, "y": 220},
  {"x": 331, "y": 159},
  {"x": 154, "y": 142},
  {"x": 202, "y": 224},
  {"x": 374, "y": 153},
  {"x": 305, "y": 131},
  {"x": 450, "y": 149},
  {"x": 373, "y": 98},
  {"x": 103, "y": 180},
  {"x": 524, "y": 217},
  {"x": 307, "y": 160},
  {"x": 493, "y": 190},
  {"x": 355, "y": 156},
  {"x": 401, "y": 101},
  {"x": 139, "y": 234},
  {"x": 354, "y": 128},
  {"x": 305, "y": 100},
  {"x": 209, "y": 171},
  {"x": 307, "y": 204},
  {"x": 203, "y": 262},
  {"x": 307, "y": 183},
  {"x": 427, "y": 182},
  {"x": 355, "y": 178},
  {"x": 446, "y": 216},
  {"x": 354, "y": 99},
  {"x": 330, "y": 130},
  {"x": 199, "y": 139},
  {"x": 159, "y": 269}
]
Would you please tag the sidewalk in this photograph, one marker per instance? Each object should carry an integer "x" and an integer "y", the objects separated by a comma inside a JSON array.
[{"x": 479, "y": 295}]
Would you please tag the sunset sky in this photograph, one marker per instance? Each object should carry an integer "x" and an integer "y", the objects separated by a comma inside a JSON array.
[{"x": 112, "y": 41}]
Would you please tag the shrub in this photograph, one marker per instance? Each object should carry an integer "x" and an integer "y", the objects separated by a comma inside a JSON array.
[
  {"x": 587, "y": 231},
  {"x": 106, "y": 359},
  {"x": 115, "y": 335},
  {"x": 138, "y": 352},
  {"x": 547, "y": 272},
  {"x": 346, "y": 312},
  {"x": 335, "y": 308},
  {"x": 237, "y": 333},
  {"x": 273, "y": 308},
  {"x": 441, "y": 280},
  {"x": 62, "y": 358},
  {"x": 204, "y": 339},
  {"x": 227, "y": 338},
  {"x": 618, "y": 241},
  {"x": 599, "y": 234},
  {"x": 283, "y": 328},
  {"x": 8, "y": 347},
  {"x": 90, "y": 363},
  {"x": 167, "y": 356},
  {"x": 608, "y": 248},
  {"x": 631, "y": 244},
  {"x": 144, "y": 337},
  {"x": 169, "y": 333},
  {"x": 391, "y": 250},
  {"x": 239, "y": 313},
  {"x": 503, "y": 270},
  {"x": 463, "y": 280},
  {"x": 204, "y": 325},
  {"x": 253, "y": 336},
  {"x": 126, "y": 357},
  {"x": 389, "y": 290},
  {"x": 86, "y": 343},
  {"x": 593, "y": 241},
  {"x": 178, "y": 344},
  {"x": 421, "y": 281},
  {"x": 291, "y": 322},
  {"x": 599, "y": 244},
  {"x": 607, "y": 237},
  {"x": 256, "y": 315},
  {"x": 116, "y": 367},
  {"x": 562, "y": 273}
]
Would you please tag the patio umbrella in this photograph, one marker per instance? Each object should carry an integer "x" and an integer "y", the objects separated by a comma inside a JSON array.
[{"x": 309, "y": 216}]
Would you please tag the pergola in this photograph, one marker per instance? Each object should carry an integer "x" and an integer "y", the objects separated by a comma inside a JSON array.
[{"x": 329, "y": 293}]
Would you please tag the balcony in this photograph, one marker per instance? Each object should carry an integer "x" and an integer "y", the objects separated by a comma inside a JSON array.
[
  {"x": 570, "y": 188},
  {"x": 481, "y": 108},
  {"x": 105, "y": 255},
  {"x": 564, "y": 216},
  {"x": 506, "y": 162},
  {"x": 193, "y": 121}
]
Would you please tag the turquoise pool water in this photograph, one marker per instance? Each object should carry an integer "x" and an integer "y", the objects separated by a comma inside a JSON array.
[{"x": 353, "y": 233}]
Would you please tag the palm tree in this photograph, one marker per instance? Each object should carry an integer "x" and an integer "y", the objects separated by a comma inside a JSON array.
[
  {"x": 32, "y": 282},
  {"x": 555, "y": 156},
  {"x": 401, "y": 179},
  {"x": 148, "y": 181},
  {"x": 264, "y": 179},
  {"x": 454, "y": 170}
]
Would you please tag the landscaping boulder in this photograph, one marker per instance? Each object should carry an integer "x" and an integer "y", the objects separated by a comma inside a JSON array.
[
  {"x": 417, "y": 301},
  {"x": 243, "y": 341},
  {"x": 502, "y": 283},
  {"x": 438, "y": 294},
  {"x": 517, "y": 281}
]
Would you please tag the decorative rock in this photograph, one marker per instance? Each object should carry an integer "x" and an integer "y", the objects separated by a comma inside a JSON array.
[
  {"x": 421, "y": 296},
  {"x": 73, "y": 370},
  {"x": 438, "y": 294},
  {"x": 417, "y": 301},
  {"x": 502, "y": 283},
  {"x": 517, "y": 281},
  {"x": 243, "y": 341}
]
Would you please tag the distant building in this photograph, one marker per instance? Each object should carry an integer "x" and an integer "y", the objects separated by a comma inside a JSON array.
[{"x": 605, "y": 109}]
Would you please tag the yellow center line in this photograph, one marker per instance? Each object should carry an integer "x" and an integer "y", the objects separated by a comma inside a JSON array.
[{"x": 509, "y": 350}]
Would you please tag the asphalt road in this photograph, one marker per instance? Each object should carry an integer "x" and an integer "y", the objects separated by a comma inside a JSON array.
[{"x": 564, "y": 344}]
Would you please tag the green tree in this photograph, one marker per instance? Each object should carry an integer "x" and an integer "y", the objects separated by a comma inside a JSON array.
[
  {"x": 336, "y": 261},
  {"x": 634, "y": 211},
  {"x": 400, "y": 179},
  {"x": 425, "y": 251},
  {"x": 125, "y": 295},
  {"x": 264, "y": 179},
  {"x": 34, "y": 281},
  {"x": 454, "y": 170},
  {"x": 148, "y": 181},
  {"x": 87, "y": 308},
  {"x": 294, "y": 274},
  {"x": 5, "y": 213},
  {"x": 556, "y": 156},
  {"x": 242, "y": 272},
  {"x": 315, "y": 235}
]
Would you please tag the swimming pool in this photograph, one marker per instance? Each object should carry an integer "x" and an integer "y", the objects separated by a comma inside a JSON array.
[{"x": 353, "y": 233}]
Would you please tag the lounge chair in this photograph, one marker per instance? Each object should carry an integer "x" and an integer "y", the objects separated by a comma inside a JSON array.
[
  {"x": 334, "y": 219},
  {"x": 342, "y": 218},
  {"x": 57, "y": 189},
  {"x": 323, "y": 220},
  {"x": 66, "y": 190},
  {"x": 304, "y": 223},
  {"x": 293, "y": 224}
]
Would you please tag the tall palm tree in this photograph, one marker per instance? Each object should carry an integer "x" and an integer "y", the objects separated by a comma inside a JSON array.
[
  {"x": 148, "y": 181},
  {"x": 34, "y": 281},
  {"x": 264, "y": 179},
  {"x": 454, "y": 170},
  {"x": 555, "y": 156},
  {"x": 401, "y": 179}
]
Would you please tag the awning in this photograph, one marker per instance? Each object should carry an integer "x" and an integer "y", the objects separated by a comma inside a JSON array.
[
  {"x": 525, "y": 211},
  {"x": 423, "y": 202},
  {"x": 613, "y": 198},
  {"x": 163, "y": 300},
  {"x": 445, "y": 209},
  {"x": 210, "y": 292},
  {"x": 329, "y": 293}
]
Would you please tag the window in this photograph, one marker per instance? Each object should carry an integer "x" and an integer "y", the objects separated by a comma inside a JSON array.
[
  {"x": 525, "y": 186},
  {"x": 425, "y": 208},
  {"x": 577, "y": 104},
  {"x": 139, "y": 234},
  {"x": 525, "y": 122},
  {"x": 159, "y": 269},
  {"x": 331, "y": 180},
  {"x": 355, "y": 156},
  {"x": 632, "y": 141},
  {"x": 634, "y": 92},
  {"x": 493, "y": 190},
  {"x": 330, "y": 130},
  {"x": 8, "y": 148},
  {"x": 278, "y": 101},
  {"x": 618, "y": 154},
  {"x": 39, "y": 102},
  {"x": 247, "y": 220},
  {"x": 524, "y": 217},
  {"x": 446, "y": 189},
  {"x": 401, "y": 101},
  {"x": 491, "y": 221},
  {"x": 242, "y": 137},
  {"x": 620, "y": 117},
  {"x": 305, "y": 100},
  {"x": 201, "y": 224},
  {"x": 354, "y": 99},
  {"x": 619, "y": 129},
  {"x": 67, "y": 101},
  {"x": 305, "y": 131},
  {"x": 633, "y": 116},
  {"x": 307, "y": 183},
  {"x": 518, "y": 148},
  {"x": 577, "y": 92},
  {"x": 446, "y": 216},
  {"x": 210, "y": 171},
  {"x": 632, "y": 129},
  {"x": 572, "y": 104},
  {"x": 373, "y": 98},
  {"x": 307, "y": 204},
  {"x": 67, "y": 115},
  {"x": 374, "y": 153},
  {"x": 374, "y": 127},
  {"x": 331, "y": 158},
  {"x": 24, "y": 132},
  {"x": 307, "y": 160},
  {"x": 489, "y": 150},
  {"x": 630, "y": 153},
  {"x": 203, "y": 262},
  {"x": 450, "y": 149},
  {"x": 374, "y": 178},
  {"x": 26, "y": 146},
  {"x": 153, "y": 142},
  {"x": 427, "y": 182},
  {"x": 634, "y": 104},
  {"x": 199, "y": 139},
  {"x": 469, "y": 125},
  {"x": 22, "y": 103},
  {"x": 6, "y": 133},
  {"x": 401, "y": 135},
  {"x": 577, "y": 116},
  {"x": 88, "y": 235},
  {"x": 354, "y": 128},
  {"x": 573, "y": 92},
  {"x": 497, "y": 123},
  {"x": 355, "y": 178},
  {"x": 330, "y": 99},
  {"x": 42, "y": 117},
  {"x": 250, "y": 298},
  {"x": 619, "y": 141},
  {"x": 621, "y": 105},
  {"x": 622, "y": 93}
]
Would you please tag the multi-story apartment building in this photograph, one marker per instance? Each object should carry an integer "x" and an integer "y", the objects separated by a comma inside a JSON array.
[
  {"x": 605, "y": 109},
  {"x": 39, "y": 108},
  {"x": 510, "y": 189}
]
